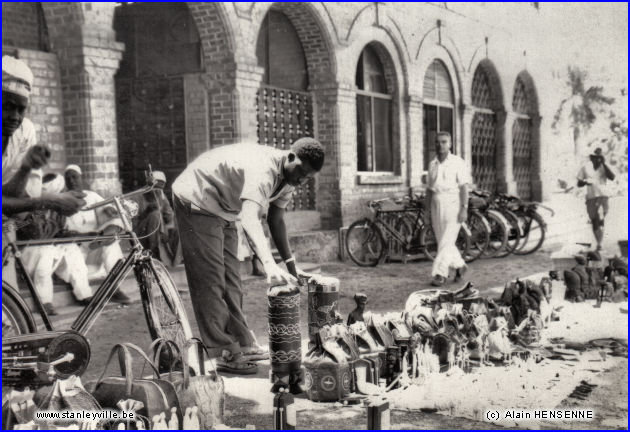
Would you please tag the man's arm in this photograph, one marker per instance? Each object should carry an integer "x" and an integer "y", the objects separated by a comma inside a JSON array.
[
  {"x": 251, "y": 214},
  {"x": 15, "y": 187},
  {"x": 609, "y": 174},
  {"x": 463, "y": 204},
  {"x": 278, "y": 230},
  {"x": 67, "y": 203}
]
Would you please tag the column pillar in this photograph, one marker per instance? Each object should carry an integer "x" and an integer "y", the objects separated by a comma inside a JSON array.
[
  {"x": 415, "y": 161},
  {"x": 89, "y": 57},
  {"x": 334, "y": 115},
  {"x": 539, "y": 192},
  {"x": 505, "y": 169},
  {"x": 468, "y": 113}
]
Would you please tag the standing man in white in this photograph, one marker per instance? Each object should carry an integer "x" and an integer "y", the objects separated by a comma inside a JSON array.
[
  {"x": 595, "y": 176},
  {"x": 447, "y": 201}
]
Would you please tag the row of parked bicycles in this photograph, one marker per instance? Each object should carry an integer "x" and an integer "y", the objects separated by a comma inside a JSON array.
[{"x": 498, "y": 225}]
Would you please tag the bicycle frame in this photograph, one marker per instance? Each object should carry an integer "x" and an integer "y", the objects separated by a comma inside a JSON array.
[{"x": 109, "y": 286}]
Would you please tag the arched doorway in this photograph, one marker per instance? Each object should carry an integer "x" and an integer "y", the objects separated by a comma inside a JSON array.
[
  {"x": 523, "y": 145},
  {"x": 284, "y": 105},
  {"x": 486, "y": 102},
  {"x": 438, "y": 108},
  {"x": 162, "y": 45}
]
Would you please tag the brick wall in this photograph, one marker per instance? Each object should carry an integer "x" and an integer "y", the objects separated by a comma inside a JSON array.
[
  {"x": 45, "y": 108},
  {"x": 23, "y": 26}
]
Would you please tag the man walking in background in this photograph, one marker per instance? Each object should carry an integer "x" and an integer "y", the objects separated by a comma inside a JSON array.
[
  {"x": 594, "y": 176},
  {"x": 447, "y": 201}
]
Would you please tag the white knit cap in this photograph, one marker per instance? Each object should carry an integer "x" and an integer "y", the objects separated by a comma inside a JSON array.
[
  {"x": 17, "y": 77},
  {"x": 73, "y": 167},
  {"x": 159, "y": 176}
]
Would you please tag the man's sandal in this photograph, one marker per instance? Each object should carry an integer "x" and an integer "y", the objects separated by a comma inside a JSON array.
[
  {"x": 255, "y": 353},
  {"x": 235, "y": 364}
]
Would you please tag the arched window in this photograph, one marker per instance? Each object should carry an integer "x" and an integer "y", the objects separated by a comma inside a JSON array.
[
  {"x": 438, "y": 108},
  {"x": 484, "y": 127},
  {"x": 522, "y": 159},
  {"x": 375, "y": 150},
  {"x": 280, "y": 53}
]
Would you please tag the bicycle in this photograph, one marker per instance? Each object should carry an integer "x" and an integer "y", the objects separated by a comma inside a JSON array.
[
  {"x": 370, "y": 241},
  {"x": 163, "y": 307}
]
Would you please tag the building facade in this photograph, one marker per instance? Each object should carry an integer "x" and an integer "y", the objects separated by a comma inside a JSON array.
[{"x": 119, "y": 87}]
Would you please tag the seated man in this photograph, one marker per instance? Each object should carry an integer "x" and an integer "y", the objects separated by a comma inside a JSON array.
[
  {"x": 155, "y": 225},
  {"x": 66, "y": 261},
  {"x": 103, "y": 255}
]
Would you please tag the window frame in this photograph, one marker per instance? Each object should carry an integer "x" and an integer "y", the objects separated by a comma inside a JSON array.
[{"x": 382, "y": 96}]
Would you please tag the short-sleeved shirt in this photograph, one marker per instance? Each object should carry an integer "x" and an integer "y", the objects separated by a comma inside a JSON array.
[
  {"x": 597, "y": 178},
  {"x": 448, "y": 176},
  {"x": 18, "y": 145},
  {"x": 220, "y": 179}
]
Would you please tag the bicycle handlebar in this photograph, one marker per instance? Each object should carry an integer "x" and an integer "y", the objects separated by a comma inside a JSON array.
[{"x": 107, "y": 201}]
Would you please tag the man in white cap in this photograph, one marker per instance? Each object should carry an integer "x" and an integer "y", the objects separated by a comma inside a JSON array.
[
  {"x": 22, "y": 157},
  {"x": 155, "y": 222},
  {"x": 66, "y": 261},
  {"x": 595, "y": 176},
  {"x": 102, "y": 255}
]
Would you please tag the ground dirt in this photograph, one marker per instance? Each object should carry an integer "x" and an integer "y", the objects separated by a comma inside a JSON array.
[{"x": 387, "y": 287}]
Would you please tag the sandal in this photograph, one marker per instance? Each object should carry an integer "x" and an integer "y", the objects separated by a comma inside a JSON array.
[
  {"x": 237, "y": 368},
  {"x": 235, "y": 364},
  {"x": 255, "y": 353}
]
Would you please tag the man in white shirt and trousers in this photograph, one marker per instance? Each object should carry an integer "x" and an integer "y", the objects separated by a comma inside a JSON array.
[
  {"x": 447, "y": 202},
  {"x": 594, "y": 176}
]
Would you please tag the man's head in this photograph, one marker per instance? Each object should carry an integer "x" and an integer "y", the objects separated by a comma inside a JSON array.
[
  {"x": 17, "y": 81},
  {"x": 443, "y": 144},
  {"x": 74, "y": 178},
  {"x": 597, "y": 158},
  {"x": 304, "y": 161}
]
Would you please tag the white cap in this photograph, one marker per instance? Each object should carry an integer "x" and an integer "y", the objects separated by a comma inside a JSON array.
[
  {"x": 159, "y": 176},
  {"x": 73, "y": 167},
  {"x": 17, "y": 77}
]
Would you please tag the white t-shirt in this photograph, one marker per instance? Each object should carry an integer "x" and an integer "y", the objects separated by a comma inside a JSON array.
[
  {"x": 448, "y": 176},
  {"x": 597, "y": 179},
  {"x": 220, "y": 179}
]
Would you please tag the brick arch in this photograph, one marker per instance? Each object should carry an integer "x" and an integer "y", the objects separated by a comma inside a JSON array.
[
  {"x": 60, "y": 16},
  {"x": 215, "y": 29},
  {"x": 24, "y": 26},
  {"x": 488, "y": 146},
  {"x": 426, "y": 56},
  {"x": 487, "y": 67},
  {"x": 314, "y": 36},
  {"x": 525, "y": 139},
  {"x": 528, "y": 85}
]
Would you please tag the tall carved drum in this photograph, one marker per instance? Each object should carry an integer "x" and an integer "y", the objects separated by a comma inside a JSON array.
[
  {"x": 323, "y": 300},
  {"x": 285, "y": 341}
]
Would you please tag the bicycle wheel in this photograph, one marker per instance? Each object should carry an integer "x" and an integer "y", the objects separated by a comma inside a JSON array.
[
  {"x": 514, "y": 233},
  {"x": 498, "y": 233},
  {"x": 17, "y": 318},
  {"x": 163, "y": 306},
  {"x": 479, "y": 236},
  {"x": 365, "y": 244},
  {"x": 533, "y": 228}
]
